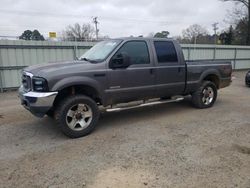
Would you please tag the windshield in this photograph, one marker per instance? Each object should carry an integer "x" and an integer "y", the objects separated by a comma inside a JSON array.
[{"x": 100, "y": 51}]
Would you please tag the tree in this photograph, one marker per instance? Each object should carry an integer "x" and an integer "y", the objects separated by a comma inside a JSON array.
[
  {"x": 227, "y": 36},
  {"x": 36, "y": 35},
  {"x": 163, "y": 34},
  {"x": 79, "y": 32},
  {"x": 26, "y": 35},
  {"x": 29, "y": 35},
  {"x": 193, "y": 32},
  {"x": 245, "y": 3},
  {"x": 241, "y": 32}
]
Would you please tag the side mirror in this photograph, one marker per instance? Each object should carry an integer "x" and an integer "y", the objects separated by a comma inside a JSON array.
[{"x": 121, "y": 60}]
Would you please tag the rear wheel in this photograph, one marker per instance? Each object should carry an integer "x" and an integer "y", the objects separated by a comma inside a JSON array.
[
  {"x": 205, "y": 96},
  {"x": 77, "y": 116}
]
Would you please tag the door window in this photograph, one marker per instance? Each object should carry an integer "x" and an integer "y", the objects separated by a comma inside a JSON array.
[
  {"x": 165, "y": 52},
  {"x": 137, "y": 52}
]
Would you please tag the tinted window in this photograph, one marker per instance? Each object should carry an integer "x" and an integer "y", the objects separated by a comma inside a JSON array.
[
  {"x": 165, "y": 51},
  {"x": 137, "y": 51}
]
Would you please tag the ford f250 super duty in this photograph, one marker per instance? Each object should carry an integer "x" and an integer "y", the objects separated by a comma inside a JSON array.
[{"x": 116, "y": 72}]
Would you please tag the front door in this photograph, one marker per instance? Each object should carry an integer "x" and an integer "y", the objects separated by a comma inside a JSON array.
[{"x": 135, "y": 82}]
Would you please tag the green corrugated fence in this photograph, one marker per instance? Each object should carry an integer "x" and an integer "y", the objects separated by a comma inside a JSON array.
[
  {"x": 15, "y": 55},
  {"x": 238, "y": 55}
]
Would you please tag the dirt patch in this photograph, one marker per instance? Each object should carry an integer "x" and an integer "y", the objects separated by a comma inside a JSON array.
[
  {"x": 123, "y": 178},
  {"x": 242, "y": 149}
]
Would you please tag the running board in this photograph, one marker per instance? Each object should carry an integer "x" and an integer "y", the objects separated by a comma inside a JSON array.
[{"x": 174, "y": 99}]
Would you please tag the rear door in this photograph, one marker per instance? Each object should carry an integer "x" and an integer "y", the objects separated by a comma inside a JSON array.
[
  {"x": 137, "y": 81},
  {"x": 170, "y": 70}
]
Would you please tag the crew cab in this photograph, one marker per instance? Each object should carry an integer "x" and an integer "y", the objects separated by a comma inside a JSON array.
[{"x": 116, "y": 72}]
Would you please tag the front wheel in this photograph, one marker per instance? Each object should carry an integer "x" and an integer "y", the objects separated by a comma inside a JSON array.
[
  {"x": 205, "y": 96},
  {"x": 77, "y": 116}
]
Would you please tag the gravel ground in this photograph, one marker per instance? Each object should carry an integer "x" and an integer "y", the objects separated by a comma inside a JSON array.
[{"x": 169, "y": 145}]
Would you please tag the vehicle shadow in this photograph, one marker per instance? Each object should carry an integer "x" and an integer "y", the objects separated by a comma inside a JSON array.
[
  {"x": 130, "y": 116},
  {"x": 47, "y": 129}
]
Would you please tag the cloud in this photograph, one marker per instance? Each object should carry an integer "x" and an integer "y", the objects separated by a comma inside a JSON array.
[{"x": 117, "y": 18}]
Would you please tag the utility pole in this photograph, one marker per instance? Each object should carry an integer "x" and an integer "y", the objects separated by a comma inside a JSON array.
[
  {"x": 96, "y": 29},
  {"x": 215, "y": 28}
]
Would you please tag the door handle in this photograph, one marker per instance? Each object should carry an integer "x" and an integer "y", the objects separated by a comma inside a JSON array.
[
  {"x": 179, "y": 69},
  {"x": 151, "y": 71}
]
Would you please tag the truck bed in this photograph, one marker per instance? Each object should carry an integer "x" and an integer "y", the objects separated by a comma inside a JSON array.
[{"x": 198, "y": 69}]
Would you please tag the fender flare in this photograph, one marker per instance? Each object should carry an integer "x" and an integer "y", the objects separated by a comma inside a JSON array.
[
  {"x": 209, "y": 72},
  {"x": 77, "y": 80}
]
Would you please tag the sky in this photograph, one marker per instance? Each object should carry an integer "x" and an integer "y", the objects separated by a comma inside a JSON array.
[{"x": 117, "y": 18}]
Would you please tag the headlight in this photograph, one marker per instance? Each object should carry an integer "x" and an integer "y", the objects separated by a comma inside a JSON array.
[{"x": 39, "y": 84}]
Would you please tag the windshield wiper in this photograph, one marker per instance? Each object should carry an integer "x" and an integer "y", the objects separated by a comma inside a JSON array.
[
  {"x": 89, "y": 60},
  {"x": 84, "y": 58}
]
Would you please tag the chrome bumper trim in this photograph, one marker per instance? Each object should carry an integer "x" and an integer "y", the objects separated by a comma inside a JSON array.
[
  {"x": 39, "y": 95},
  {"x": 37, "y": 103}
]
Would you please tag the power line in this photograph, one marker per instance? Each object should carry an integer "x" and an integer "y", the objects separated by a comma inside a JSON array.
[
  {"x": 80, "y": 16},
  {"x": 38, "y": 13}
]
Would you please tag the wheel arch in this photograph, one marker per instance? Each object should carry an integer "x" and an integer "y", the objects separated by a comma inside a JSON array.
[
  {"x": 78, "y": 85},
  {"x": 211, "y": 75}
]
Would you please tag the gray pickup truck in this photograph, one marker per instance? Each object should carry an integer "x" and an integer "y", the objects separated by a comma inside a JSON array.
[{"x": 133, "y": 71}]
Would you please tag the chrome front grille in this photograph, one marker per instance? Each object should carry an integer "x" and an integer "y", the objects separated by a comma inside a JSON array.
[{"x": 26, "y": 81}]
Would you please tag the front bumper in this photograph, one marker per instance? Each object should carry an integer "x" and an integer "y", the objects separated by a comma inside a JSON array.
[{"x": 38, "y": 103}]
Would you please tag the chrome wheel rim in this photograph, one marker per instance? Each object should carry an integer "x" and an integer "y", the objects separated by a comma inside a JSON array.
[
  {"x": 79, "y": 117},
  {"x": 208, "y": 95}
]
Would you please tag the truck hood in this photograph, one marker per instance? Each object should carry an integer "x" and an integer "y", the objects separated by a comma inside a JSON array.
[{"x": 44, "y": 70}]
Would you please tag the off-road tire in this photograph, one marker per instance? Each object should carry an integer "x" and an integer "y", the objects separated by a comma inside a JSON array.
[
  {"x": 197, "y": 97},
  {"x": 63, "y": 108}
]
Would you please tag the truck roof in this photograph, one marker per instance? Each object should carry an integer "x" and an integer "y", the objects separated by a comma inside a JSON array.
[{"x": 144, "y": 38}]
